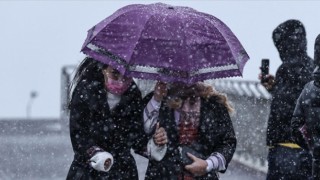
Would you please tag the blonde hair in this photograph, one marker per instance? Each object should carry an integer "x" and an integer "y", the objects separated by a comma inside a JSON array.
[{"x": 178, "y": 92}]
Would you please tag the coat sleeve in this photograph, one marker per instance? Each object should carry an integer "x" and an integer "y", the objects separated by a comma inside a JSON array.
[
  {"x": 224, "y": 132},
  {"x": 150, "y": 115},
  {"x": 138, "y": 136},
  {"x": 298, "y": 127},
  {"x": 81, "y": 125}
]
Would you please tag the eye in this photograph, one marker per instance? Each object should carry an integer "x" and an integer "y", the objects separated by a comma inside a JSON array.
[{"x": 115, "y": 73}]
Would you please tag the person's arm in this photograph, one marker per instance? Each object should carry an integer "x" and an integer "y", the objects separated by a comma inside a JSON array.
[
  {"x": 156, "y": 147},
  {"x": 216, "y": 162},
  {"x": 225, "y": 148},
  {"x": 84, "y": 131},
  {"x": 151, "y": 111},
  {"x": 298, "y": 128},
  {"x": 137, "y": 134},
  {"x": 151, "y": 115},
  {"x": 270, "y": 82},
  {"x": 100, "y": 160}
]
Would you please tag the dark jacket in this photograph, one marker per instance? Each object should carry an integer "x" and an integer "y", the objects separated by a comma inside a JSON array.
[
  {"x": 307, "y": 117},
  {"x": 93, "y": 124},
  {"x": 307, "y": 112},
  {"x": 291, "y": 76},
  {"x": 216, "y": 134}
]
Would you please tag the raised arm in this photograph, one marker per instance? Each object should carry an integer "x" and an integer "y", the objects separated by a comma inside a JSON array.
[{"x": 151, "y": 111}]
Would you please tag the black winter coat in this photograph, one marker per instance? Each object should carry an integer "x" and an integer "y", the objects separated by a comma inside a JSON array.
[
  {"x": 295, "y": 71},
  {"x": 307, "y": 115},
  {"x": 216, "y": 134},
  {"x": 290, "y": 79},
  {"x": 92, "y": 123}
]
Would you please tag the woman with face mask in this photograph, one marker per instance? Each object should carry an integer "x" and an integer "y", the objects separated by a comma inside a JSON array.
[{"x": 105, "y": 123}]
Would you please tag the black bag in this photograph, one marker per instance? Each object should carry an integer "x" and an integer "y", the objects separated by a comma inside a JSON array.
[{"x": 185, "y": 160}]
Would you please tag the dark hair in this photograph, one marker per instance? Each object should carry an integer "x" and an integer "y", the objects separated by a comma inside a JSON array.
[
  {"x": 90, "y": 70},
  {"x": 178, "y": 92}
]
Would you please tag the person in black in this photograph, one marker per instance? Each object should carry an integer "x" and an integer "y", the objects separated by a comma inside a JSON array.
[
  {"x": 105, "y": 123},
  {"x": 286, "y": 160},
  {"x": 201, "y": 138},
  {"x": 306, "y": 117}
]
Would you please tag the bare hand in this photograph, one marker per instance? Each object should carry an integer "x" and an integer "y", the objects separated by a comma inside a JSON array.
[
  {"x": 160, "y": 136},
  {"x": 160, "y": 91},
  {"x": 270, "y": 81},
  {"x": 198, "y": 167}
]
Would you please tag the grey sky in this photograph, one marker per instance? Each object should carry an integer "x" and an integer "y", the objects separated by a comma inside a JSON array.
[{"x": 39, "y": 37}]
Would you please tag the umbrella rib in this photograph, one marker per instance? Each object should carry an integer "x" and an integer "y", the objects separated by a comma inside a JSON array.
[
  {"x": 140, "y": 36},
  {"x": 116, "y": 15},
  {"x": 209, "y": 19}
]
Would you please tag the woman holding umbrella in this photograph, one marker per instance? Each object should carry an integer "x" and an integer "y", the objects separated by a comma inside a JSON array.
[
  {"x": 105, "y": 123},
  {"x": 188, "y": 47},
  {"x": 199, "y": 129}
]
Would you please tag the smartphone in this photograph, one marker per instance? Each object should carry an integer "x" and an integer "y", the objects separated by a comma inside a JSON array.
[{"x": 264, "y": 70}]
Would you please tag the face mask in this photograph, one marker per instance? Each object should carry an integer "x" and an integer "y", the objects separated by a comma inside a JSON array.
[{"x": 117, "y": 87}]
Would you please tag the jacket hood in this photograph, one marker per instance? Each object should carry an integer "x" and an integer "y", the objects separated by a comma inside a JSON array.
[
  {"x": 290, "y": 39},
  {"x": 316, "y": 76},
  {"x": 317, "y": 51},
  {"x": 316, "y": 72}
]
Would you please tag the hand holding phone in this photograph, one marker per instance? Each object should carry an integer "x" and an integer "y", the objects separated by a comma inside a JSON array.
[{"x": 264, "y": 70}]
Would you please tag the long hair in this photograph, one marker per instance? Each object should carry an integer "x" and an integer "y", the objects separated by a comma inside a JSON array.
[
  {"x": 178, "y": 92},
  {"x": 90, "y": 70}
]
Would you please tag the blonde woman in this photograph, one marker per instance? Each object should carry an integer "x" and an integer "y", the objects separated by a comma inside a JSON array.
[{"x": 201, "y": 138}]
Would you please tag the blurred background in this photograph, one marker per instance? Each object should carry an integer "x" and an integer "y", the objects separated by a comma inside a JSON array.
[
  {"x": 39, "y": 37},
  {"x": 40, "y": 44}
]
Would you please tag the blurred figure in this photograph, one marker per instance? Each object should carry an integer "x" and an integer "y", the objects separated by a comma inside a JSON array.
[
  {"x": 306, "y": 117},
  {"x": 286, "y": 160},
  {"x": 199, "y": 129},
  {"x": 105, "y": 123}
]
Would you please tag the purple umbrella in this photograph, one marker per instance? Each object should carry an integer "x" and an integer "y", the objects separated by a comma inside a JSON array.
[{"x": 166, "y": 43}]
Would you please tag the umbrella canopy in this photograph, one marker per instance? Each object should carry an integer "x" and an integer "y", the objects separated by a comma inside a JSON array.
[{"x": 166, "y": 43}]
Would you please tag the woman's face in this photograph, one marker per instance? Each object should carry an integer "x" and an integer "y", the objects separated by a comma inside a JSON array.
[
  {"x": 115, "y": 82},
  {"x": 113, "y": 74}
]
